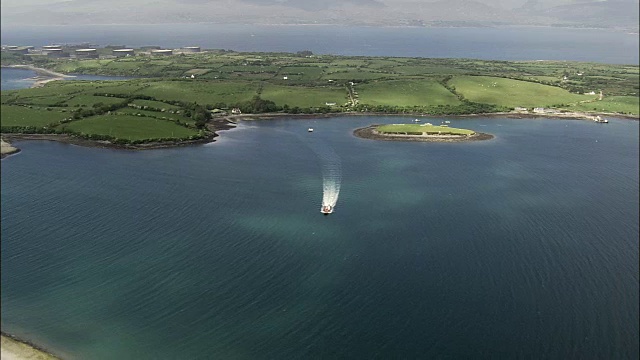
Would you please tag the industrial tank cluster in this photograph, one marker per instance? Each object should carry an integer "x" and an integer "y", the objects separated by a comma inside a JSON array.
[{"x": 58, "y": 51}]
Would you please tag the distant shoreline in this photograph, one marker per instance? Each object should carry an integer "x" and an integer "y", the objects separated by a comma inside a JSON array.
[
  {"x": 44, "y": 76},
  {"x": 428, "y": 24}
]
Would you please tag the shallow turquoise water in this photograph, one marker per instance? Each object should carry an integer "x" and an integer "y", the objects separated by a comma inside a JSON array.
[{"x": 522, "y": 246}]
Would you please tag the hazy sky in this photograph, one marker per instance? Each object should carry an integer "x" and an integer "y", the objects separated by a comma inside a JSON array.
[{"x": 621, "y": 13}]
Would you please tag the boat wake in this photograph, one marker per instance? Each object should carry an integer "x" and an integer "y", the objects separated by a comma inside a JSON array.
[{"x": 331, "y": 171}]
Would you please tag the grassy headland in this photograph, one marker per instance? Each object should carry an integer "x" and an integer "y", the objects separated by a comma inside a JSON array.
[{"x": 186, "y": 97}]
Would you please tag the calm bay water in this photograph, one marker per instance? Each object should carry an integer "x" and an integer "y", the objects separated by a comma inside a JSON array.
[
  {"x": 522, "y": 246},
  {"x": 503, "y": 43},
  {"x": 525, "y": 246},
  {"x": 16, "y": 78}
]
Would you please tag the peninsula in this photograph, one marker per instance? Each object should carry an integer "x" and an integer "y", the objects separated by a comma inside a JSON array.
[{"x": 185, "y": 96}]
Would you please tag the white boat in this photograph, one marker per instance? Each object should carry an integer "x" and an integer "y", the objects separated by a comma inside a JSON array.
[
  {"x": 447, "y": 122},
  {"x": 310, "y": 129},
  {"x": 416, "y": 120},
  {"x": 326, "y": 209},
  {"x": 598, "y": 119}
]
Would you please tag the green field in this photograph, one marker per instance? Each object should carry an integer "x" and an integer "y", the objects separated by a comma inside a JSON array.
[
  {"x": 90, "y": 100},
  {"x": 201, "y": 91},
  {"x": 305, "y": 96},
  {"x": 155, "y": 104},
  {"x": 156, "y": 114},
  {"x": 512, "y": 93},
  {"x": 24, "y": 116},
  {"x": 405, "y": 93},
  {"x": 613, "y": 104},
  {"x": 130, "y": 127},
  {"x": 423, "y": 128}
]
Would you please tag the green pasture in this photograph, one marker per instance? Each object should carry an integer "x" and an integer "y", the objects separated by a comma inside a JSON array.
[
  {"x": 512, "y": 93},
  {"x": 353, "y": 74},
  {"x": 405, "y": 93},
  {"x": 613, "y": 104},
  {"x": 23, "y": 116},
  {"x": 304, "y": 97},
  {"x": 422, "y": 128},
  {"x": 248, "y": 68},
  {"x": 197, "y": 72},
  {"x": 155, "y": 104},
  {"x": 426, "y": 69},
  {"x": 90, "y": 100},
  {"x": 349, "y": 62},
  {"x": 156, "y": 114},
  {"x": 375, "y": 63},
  {"x": 201, "y": 91},
  {"x": 130, "y": 127},
  {"x": 302, "y": 72}
]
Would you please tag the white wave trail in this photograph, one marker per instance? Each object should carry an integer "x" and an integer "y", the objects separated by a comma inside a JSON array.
[
  {"x": 331, "y": 178},
  {"x": 331, "y": 169}
]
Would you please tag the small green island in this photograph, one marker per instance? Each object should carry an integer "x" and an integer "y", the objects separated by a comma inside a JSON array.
[
  {"x": 176, "y": 97},
  {"x": 420, "y": 132}
]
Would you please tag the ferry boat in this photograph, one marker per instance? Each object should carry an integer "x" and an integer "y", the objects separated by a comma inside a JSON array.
[{"x": 326, "y": 209}]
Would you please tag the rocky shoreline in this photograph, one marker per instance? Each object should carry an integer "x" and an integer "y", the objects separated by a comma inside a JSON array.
[{"x": 370, "y": 132}]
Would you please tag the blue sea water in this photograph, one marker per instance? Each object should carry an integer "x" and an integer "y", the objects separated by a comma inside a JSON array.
[
  {"x": 12, "y": 79},
  {"x": 500, "y": 43},
  {"x": 524, "y": 246}
]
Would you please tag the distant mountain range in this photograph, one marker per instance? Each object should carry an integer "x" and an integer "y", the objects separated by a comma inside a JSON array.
[{"x": 622, "y": 14}]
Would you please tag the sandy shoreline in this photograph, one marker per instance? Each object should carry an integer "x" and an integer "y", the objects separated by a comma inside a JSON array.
[
  {"x": 7, "y": 149},
  {"x": 15, "y": 349},
  {"x": 44, "y": 76}
]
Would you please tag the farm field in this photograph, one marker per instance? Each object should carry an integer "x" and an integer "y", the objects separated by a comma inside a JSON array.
[
  {"x": 11, "y": 115},
  {"x": 201, "y": 91},
  {"x": 90, "y": 100},
  {"x": 156, "y": 114},
  {"x": 405, "y": 93},
  {"x": 617, "y": 104},
  {"x": 512, "y": 93},
  {"x": 304, "y": 96},
  {"x": 130, "y": 127}
]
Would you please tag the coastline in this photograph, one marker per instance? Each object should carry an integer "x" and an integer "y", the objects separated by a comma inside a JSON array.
[
  {"x": 7, "y": 149},
  {"x": 73, "y": 140},
  {"x": 17, "y": 349},
  {"x": 43, "y": 75},
  {"x": 229, "y": 122}
]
